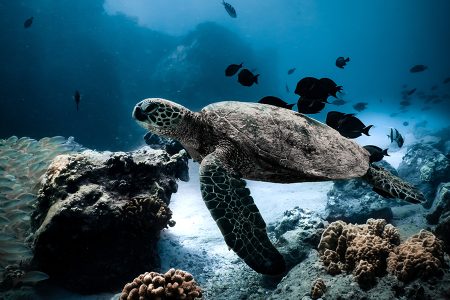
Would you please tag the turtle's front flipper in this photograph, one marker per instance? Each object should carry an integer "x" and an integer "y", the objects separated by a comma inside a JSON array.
[
  {"x": 388, "y": 185},
  {"x": 237, "y": 216}
]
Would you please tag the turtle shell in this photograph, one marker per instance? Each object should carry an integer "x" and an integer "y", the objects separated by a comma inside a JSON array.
[{"x": 284, "y": 145}]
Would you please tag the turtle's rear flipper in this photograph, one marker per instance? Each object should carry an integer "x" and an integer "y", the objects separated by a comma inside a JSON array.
[
  {"x": 237, "y": 216},
  {"x": 388, "y": 185}
]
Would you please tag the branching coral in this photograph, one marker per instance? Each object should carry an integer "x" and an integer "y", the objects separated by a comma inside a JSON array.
[
  {"x": 174, "y": 284},
  {"x": 421, "y": 256},
  {"x": 361, "y": 249}
]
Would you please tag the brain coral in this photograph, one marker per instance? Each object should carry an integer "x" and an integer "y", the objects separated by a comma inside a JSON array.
[
  {"x": 174, "y": 284},
  {"x": 421, "y": 256},
  {"x": 360, "y": 249}
]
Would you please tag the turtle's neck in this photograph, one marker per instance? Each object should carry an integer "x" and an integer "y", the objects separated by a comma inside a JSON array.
[{"x": 193, "y": 134}]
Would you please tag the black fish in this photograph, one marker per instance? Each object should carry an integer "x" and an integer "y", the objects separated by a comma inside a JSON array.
[
  {"x": 376, "y": 153},
  {"x": 338, "y": 102},
  {"x": 287, "y": 88},
  {"x": 275, "y": 101},
  {"x": 397, "y": 137},
  {"x": 360, "y": 106},
  {"x": 334, "y": 118},
  {"x": 425, "y": 108},
  {"x": 247, "y": 78},
  {"x": 438, "y": 100},
  {"x": 341, "y": 61},
  {"x": 28, "y": 22},
  {"x": 77, "y": 98},
  {"x": 312, "y": 88},
  {"x": 446, "y": 80},
  {"x": 291, "y": 71},
  {"x": 348, "y": 125},
  {"x": 418, "y": 68},
  {"x": 405, "y": 123},
  {"x": 230, "y": 9},
  {"x": 409, "y": 93},
  {"x": 309, "y": 106},
  {"x": 405, "y": 103},
  {"x": 330, "y": 86},
  {"x": 434, "y": 87},
  {"x": 232, "y": 69}
]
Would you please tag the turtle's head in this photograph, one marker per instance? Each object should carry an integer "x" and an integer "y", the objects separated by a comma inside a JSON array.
[{"x": 160, "y": 116}]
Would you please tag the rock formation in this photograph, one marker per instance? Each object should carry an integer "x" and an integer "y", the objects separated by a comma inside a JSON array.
[{"x": 98, "y": 215}]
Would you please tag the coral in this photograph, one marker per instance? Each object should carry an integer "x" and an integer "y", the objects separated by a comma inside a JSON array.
[
  {"x": 361, "y": 249},
  {"x": 174, "y": 284},
  {"x": 421, "y": 256},
  {"x": 318, "y": 289}
]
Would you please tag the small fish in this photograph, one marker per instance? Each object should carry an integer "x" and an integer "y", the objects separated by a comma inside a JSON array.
[
  {"x": 434, "y": 87},
  {"x": 376, "y": 153},
  {"x": 437, "y": 101},
  {"x": 348, "y": 125},
  {"x": 28, "y": 22},
  {"x": 405, "y": 123},
  {"x": 405, "y": 103},
  {"x": 309, "y": 106},
  {"x": 341, "y": 61},
  {"x": 275, "y": 101},
  {"x": 418, "y": 68},
  {"x": 230, "y": 9},
  {"x": 409, "y": 93},
  {"x": 291, "y": 71},
  {"x": 232, "y": 69},
  {"x": 446, "y": 80},
  {"x": 425, "y": 108},
  {"x": 338, "y": 102},
  {"x": 360, "y": 106},
  {"x": 313, "y": 88},
  {"x": 247, "y": 78},
  {"x": 287, "y": 88},
  {"x": 77, "y": 98},
  {"x": 423, "y": 123},
  {"x": 395, "y": 136},
  {"x": 33, "y": 277},
  {"x": 330, "y": 86}
]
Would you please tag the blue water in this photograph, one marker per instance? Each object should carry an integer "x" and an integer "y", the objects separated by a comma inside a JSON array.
[{"x": 119, "y": 52}]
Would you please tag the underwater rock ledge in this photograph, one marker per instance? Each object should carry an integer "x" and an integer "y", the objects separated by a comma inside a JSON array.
[{"x": 99, "y": 214}]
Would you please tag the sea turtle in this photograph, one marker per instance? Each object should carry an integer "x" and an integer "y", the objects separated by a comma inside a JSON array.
[{"x": 235, "y": 140}]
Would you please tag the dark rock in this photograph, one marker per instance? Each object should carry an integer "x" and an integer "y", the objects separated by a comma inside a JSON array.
[
  {"x": 353, "y": 201},
  {"x": 297, "y": 233},
  {"x": 441, "y": 204},
  {"x": 99, "y": 215},
  {"x": 171, "y": 146},
  {"x": 425, "y": 167}
]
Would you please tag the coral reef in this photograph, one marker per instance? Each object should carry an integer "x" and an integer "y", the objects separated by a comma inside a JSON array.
[
  {"x": 174, "y": 284},
  {"x": 354, "y": 201},
  {"x": 98, "y": 215},
  {"x": 318, "y": 289},
  {"x": 23, "y": 161},
  {"x": 362, "y": 249},
  {"x": 421, "y": 256},
  {"x": 296, "y": 233},
  {"x": 297, "y": 285},
  {"x": 425, "y": 167}
]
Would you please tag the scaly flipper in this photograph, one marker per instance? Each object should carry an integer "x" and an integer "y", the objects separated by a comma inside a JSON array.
[
  {"x": 387, "y": 184},
  {"x": 237, "y": 216}
]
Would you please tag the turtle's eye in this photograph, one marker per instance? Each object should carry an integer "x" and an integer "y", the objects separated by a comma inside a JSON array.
[{"x": 151, "y": 107}]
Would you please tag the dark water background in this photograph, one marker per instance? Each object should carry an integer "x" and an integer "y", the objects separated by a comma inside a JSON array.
[{"x": 119, "y": 52}]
